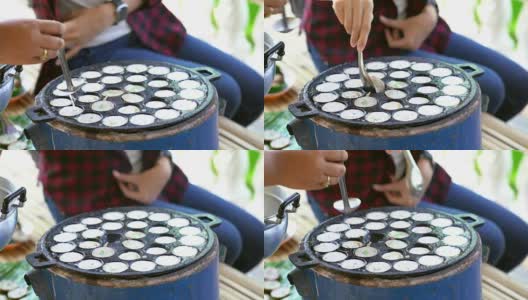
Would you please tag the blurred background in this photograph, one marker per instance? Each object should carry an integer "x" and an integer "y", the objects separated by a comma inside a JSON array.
[{"x": 499, "y": 24}]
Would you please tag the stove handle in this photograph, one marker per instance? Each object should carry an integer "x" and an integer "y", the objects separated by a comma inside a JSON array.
[
  {"x": 209, "y": 219},
  {"x": 294, "y": 200},
  {"x": 471, "y": 69},
  {"x": 474, "y": 220},
  {"x": 39, "y": 261},
  {"x": 279, "y": 49},
  {"x": 40, "y": 281},
  {"x": 5, "y": 72},
  {"x": 20, "y": 194},
  {"x": 38, "y": 114},
  {"x": 301, "y": 110},
  {"x": 302, "y": 283},
  {"x": 209, "y": 73},
  {"x": 301, "y": 260}
]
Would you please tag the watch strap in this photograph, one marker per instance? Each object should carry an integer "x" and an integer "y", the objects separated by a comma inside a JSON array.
[{"x": 121, "y": 10}]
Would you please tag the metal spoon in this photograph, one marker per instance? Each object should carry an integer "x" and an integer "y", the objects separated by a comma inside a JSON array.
[
  {"x": 413, "y": 175},
  {"x": 286, "y": 24},
  {"x": 344, "y": 195},
  {"x": 65, "y": 70},
  {"x": 366, "y": 79},
  {"x": 407, "y": 169}
]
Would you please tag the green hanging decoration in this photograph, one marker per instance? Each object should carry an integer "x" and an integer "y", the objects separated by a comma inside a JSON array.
[
  {"x": 516, "y": 8},
  {"x": 253, "y": 9},
  {"x": 253, "y": 157},
  {"x": 517, "y": 158}
]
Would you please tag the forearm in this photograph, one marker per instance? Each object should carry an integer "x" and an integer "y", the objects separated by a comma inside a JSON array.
[
  {"x": 4, "y": 33},
  {"x": 270, "y": 165},
  {"x": 431, "y": 8}
]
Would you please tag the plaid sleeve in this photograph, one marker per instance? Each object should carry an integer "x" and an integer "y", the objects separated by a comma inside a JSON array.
[
  {"x": 177, "y": 183},
  {"x": 439, "y": 186},
  {"x": 175, "y": 189},
  {"x": 147, "y": 4},
  {"x": 43, "y": 9}
]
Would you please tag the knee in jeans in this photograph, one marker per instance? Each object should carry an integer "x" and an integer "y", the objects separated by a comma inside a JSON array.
[
  {"x": 229, "y": 90},
  {"x": 492, "y": 85},
  {"x": 493, "y": 238},
  {"x": 230, "y": 237}
]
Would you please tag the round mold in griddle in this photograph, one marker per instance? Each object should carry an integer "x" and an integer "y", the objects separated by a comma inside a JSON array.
[
  {"x": 114, "y": 80},
  {"x": 112, "y": 93},
  {"x": 399, "y": 248},
  {"x": 168, "y": 260},
  {"x": 167, "y": 114},
  {"x": 111, "y": 79},
  {"x": 156, "y": 251},
  {"x": 70, "y": 111},
  {"x": 155, "y": 104},
  {"x": 414, "y": 82},
  {"x": 325, "y": 97},
  {"x": 60, "y": 102},
  {"x": 91, "y": 221},
  {"x": 392, "y": 255},
  {"x": 89, "y": 118},
  {"x": 129, "y": 110},
  {"x": 89, "y": 264},
  {"x": 158, "y": 83},
  {"x": 104, "y": 255},
  {"x": 101, "y": 106},
  {"x": 137, "y": 68},
  {"x": 89, "y": 98},
  {"x": 62, "y": 247}
]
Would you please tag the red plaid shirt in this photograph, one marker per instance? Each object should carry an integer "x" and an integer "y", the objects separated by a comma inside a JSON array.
[
  {"x": 82, "y": 181},
  {"x": 154, "y": 25},
  {"x": 365, "y": 168},
  {"x": 328, "y": 36}
]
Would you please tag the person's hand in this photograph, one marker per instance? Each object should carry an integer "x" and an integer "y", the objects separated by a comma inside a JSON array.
[
  {"x": 85, "y": 25},
  {"x": 356, "y": 16},
  {"x": 398, "y": 192},
  {"x": 145, "y": 187},
  {"x": 273, "y": 7},
  {"x": 25, "y": 41},
  {"x": 307, "y": 170},
  {"x": 409, "y": 34}
]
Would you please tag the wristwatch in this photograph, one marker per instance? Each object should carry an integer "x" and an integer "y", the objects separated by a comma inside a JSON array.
[{"x": 121, "y": 11}]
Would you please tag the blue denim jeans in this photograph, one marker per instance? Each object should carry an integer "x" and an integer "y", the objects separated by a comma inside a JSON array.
[
  {"x": 501, "y": 232},
  {"x": 504, "y": 81},
  {"x": 239, "y": 85},
  {"x": 241, "y": 233}
]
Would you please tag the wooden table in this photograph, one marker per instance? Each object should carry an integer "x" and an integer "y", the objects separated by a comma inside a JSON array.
[
  {"x": 496, "y": 285},
  {"x": 496, "y": 134},
  {"x": 235, "y": 137},
  {"x": 234, "y": 285}
]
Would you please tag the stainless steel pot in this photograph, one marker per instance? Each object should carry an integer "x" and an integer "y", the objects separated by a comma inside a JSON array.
[
  {"x": 7, "y": 82},
  {"x": 13, "y": 198},
  {"x": 276, "y": 219},
  {"x": 273, "y": 52}
]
